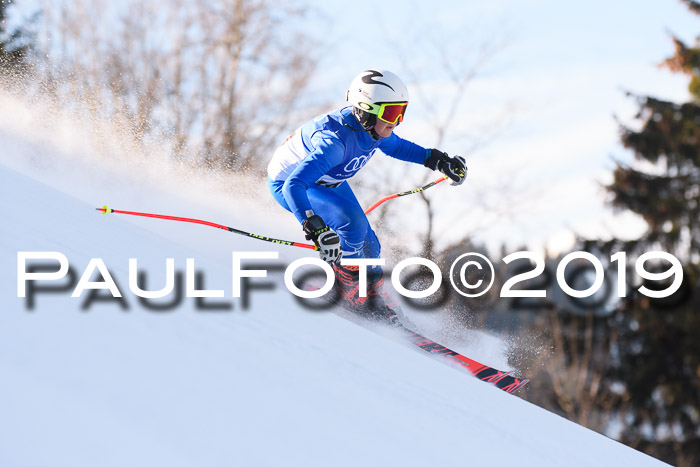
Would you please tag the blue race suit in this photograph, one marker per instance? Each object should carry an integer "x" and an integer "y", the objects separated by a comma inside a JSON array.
[{"x": 310, "y": 169}]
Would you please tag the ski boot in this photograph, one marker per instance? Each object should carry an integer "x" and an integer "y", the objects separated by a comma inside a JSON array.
[{"x": 378, "y": 305}]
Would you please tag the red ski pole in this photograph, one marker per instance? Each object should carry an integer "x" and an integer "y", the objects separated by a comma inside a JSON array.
[
  {"x": 396, "y": 195},
  {"x": 106, "y": 210}
]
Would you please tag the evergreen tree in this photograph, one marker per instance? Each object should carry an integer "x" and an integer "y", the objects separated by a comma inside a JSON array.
[
  {"x": 669, "y": 139},
  {"x": 659, "y": 342}
]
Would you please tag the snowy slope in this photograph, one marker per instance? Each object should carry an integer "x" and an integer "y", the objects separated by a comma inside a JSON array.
[{"x": 271, "y": 385}]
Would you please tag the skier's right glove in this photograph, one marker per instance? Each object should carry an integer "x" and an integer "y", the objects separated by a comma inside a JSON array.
[
  {"x": 454, "y": 167},
  {"x": 324, "y": 238}
]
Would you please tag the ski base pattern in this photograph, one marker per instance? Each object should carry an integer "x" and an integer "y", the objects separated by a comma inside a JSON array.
[{"x": 503, "y": 380}]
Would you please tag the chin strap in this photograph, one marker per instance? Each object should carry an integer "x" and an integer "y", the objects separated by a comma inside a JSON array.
[{"x": 366, "y": 120}]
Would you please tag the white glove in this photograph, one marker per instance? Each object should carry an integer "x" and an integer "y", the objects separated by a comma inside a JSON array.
[{"x": 324, "y": 238}]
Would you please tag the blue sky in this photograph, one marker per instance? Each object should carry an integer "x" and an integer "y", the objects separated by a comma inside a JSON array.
[{"x": 563, "y": 67}]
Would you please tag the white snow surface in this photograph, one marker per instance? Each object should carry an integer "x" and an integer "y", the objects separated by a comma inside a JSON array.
[{"x": 271, "y": 385}]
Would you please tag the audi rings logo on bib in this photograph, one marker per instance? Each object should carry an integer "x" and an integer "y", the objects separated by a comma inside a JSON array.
[{"x": 356, "y": 163}]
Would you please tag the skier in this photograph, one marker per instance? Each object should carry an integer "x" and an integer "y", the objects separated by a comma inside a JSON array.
[{"x": 308, "y": 172}]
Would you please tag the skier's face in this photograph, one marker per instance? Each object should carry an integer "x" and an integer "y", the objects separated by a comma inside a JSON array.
[{"x": 384, "y": 129}]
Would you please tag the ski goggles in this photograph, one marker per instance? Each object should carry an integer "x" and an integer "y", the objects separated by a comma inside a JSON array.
[{"x": 390, "y": 112}]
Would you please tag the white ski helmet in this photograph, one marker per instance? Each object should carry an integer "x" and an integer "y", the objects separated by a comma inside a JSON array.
[{"x": 370, "y": 89}]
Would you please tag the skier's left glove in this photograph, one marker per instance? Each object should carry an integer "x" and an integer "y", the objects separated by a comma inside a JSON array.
[
  {"x": 453, "y": 167},
  {"x": 324, "y": 238}
]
